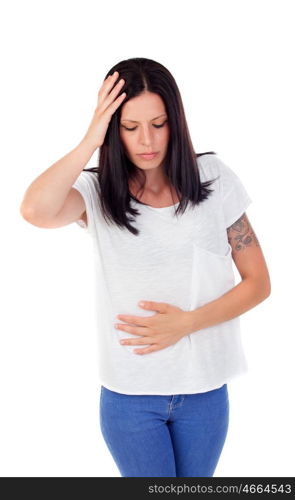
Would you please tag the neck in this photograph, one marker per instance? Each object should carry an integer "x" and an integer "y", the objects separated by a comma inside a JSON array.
[{"x": 156, "y": 181}]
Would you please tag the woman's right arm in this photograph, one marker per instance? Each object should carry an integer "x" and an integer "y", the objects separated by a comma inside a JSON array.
[
  {"x": 46, "y": 196},
  {"x": 51, "y": 201}
]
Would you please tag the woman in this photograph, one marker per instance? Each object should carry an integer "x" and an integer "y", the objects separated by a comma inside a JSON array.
[{"x": 164, "y": 365}]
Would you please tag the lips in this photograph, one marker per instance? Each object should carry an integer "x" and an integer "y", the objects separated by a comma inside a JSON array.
[{"x": 148, "y": 156}]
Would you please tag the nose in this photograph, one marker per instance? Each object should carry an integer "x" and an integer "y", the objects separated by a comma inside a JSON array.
[{"x": 146, "y": 136}]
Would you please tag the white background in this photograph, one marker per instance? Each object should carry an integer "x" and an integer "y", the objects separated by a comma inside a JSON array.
[{"x": 233, "y": 62}]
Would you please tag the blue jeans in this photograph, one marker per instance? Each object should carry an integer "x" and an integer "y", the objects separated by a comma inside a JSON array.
[{"x": 165, "y": 436}]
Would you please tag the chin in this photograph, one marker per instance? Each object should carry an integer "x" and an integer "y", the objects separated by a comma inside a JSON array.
[{"x": 148, "y": 164}]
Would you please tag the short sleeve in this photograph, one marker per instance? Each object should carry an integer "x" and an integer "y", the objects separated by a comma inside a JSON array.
[
  {"x": 86, "y": 184},
  {"x": 234, "y": 196}
]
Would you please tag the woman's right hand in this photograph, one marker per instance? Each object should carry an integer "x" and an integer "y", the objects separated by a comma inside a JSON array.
[{"x": 107, "y": 104}]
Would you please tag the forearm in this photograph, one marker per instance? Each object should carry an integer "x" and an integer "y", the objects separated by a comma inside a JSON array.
[
  {"x": 46, "y": 195},
  {"x": 242, "y": 297}
]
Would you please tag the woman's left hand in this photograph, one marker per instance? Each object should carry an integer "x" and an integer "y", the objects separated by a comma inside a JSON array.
[{"x": 165, "y": 328}]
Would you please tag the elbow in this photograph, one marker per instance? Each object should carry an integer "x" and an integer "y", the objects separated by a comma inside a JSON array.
[
  {"x": 263, "y": 287},
  {"x": 268, "y": 289},
  {"x": 26, "y": 213},
  {"x": 267, "y": 293},
  {"x": 267, "y": 286}
]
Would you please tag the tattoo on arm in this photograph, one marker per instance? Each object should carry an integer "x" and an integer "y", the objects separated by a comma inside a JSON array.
[{"x": 241, "y": 235}]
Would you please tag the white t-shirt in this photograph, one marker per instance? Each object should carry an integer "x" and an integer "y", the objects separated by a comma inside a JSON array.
[{"x": 184, "y": 261}]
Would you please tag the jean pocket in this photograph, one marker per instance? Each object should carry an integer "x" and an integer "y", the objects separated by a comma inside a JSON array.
[{"x": 212, "y": 275}]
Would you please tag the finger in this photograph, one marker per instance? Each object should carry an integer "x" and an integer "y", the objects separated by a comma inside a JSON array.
[
  {"x": 109, "y": 81},
  {"x": 146, "y": 350},
  {"x": 117, "y": 88},
  {"x": 155, "y": 306},
  {"x": 136, "y": 330},
  {"x": 137, "y": 320},
  {"x": 108, "y": 84},
  {"x": 138, "y": 341},
  {"x": 108, "y": 100}
]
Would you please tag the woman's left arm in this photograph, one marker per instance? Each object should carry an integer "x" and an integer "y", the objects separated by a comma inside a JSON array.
[
  {"x": 255, "y": 285},
  {"x": 172, "y": 323}
]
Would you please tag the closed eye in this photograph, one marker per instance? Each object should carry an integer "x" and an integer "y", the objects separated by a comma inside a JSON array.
[{"x": 156, "y": 126}]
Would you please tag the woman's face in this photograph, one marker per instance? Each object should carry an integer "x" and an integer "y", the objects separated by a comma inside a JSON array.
[{"x": 146, "y": 116}]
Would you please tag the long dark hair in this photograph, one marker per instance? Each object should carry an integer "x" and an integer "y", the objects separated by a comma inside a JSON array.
[{"x": 114, "y": 169}]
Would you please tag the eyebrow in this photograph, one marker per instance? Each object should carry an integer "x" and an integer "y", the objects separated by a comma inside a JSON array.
[{"x": 134, "y": 121}]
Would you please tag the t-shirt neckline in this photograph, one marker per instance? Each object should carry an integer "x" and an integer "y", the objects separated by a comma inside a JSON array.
[
  {"x": 144, "y": 205},
  {"x": 162, "y": 208}
]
